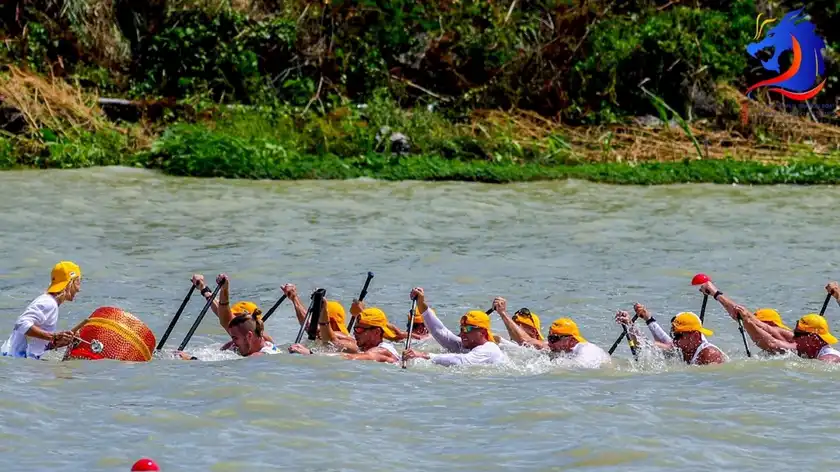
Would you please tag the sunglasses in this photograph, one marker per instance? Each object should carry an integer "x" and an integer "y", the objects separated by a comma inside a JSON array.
[
  {"x": 799, "y": 334},
  {"x": 361, "y": 329},
  {"x": 553, "y": 338},
  {"x": 469, "y": 328}
]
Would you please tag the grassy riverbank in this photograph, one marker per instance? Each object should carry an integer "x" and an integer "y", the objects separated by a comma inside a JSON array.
[{"x": 647, "y": 93}]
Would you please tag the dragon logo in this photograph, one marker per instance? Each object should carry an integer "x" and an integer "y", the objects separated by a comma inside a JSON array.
[{"x": 793, "y": 33}]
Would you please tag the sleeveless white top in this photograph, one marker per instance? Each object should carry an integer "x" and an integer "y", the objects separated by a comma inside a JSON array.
[
  {"x": 828, "y": 350},
  {"x": 390, "y": 348},
  {"x": 702, "y": 346},
  {"x": 270, "y": 348}
]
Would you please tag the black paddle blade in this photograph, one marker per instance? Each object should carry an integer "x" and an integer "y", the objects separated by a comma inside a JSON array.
[{"x": 314, "y": 318}]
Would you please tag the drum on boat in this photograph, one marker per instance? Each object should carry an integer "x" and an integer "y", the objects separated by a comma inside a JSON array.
[{"x": 111, "y": 333}]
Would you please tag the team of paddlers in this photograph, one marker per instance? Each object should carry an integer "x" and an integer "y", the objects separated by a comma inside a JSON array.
[{"x": 369, "y": 335}]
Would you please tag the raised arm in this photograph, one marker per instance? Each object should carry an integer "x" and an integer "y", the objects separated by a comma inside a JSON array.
[
  {"x": 661, "y": 338},
  {"x": 517, "y": 334},
  {"x": 327, "y": 334},
  {"x": 224, "y": 314},
  {"x": 198, "y": 281},
  {"x": 446, "y": 338},
  {"x": 300, "y": 309}
]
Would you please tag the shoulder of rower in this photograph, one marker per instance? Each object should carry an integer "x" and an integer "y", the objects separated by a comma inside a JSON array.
[
  {"x": 830, "y": 358},
  {"x": 383, "y": 354},
  {"x": 711, "y": 355}
]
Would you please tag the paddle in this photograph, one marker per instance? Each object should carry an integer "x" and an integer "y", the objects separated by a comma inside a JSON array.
[
  {"x": 317, "y": 301},
  {"x": 410, "y": 330},
  {"x": 825, "y": 304},
  {"x": 308, "y": 316},
  {"x": 743, "y": 336},
  {"x": 700, "y": 279},
  {"x": 175, "y": 319},
  {"x": 200, "y": 316},
  {"x": 361, "y": 298},
  {"x": 273, "y": 308},
  {"x": 630, "y": 340},
  {"x": 490, "y": 311}
]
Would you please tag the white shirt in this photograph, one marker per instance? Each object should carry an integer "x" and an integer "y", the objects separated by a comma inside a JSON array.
[
  {"x": 269, "y": 348},
  {"x": 828, "y": 351},
  {"x": 589, "y": 355},
  {"x": 43, "y": 313},
  {"x": 390, "y": 348},
  {"x": 487, "y": 353}
]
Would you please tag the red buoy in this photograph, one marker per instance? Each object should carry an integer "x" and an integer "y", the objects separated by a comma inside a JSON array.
[
  {"x": 700, "y": 279},
  {"x": 144, "y": 465}
]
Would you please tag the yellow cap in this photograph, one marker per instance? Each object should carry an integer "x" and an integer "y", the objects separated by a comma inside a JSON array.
[
  {"x": 243, "y": 308},
  {"x": 816, "y": 324},
  {"x": 566, "y": 327},
  {"x": 772, "y": 316},
  {"x": 62, "y": 274},
  {"x": 376, "y": 317},
  {"x": 479, "y": 319},
  {"x": 336, "y": 313},
  {"x": 687, "y": 322},
  {"x": 526, "y": 317},
  {"x": 418, "y": 317}
]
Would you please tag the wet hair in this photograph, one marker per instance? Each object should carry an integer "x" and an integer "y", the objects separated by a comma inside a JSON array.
[{"x": 252, "y": 322}]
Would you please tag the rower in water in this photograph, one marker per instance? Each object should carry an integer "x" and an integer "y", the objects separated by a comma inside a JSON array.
[
  {"x": 523, "y": 328},
  {"x": 35, "y": 329},
  {"x": 688, "y": 336},
  {"x": 339, "y": 335},
  {"x": 370, "y": 344},
  {"x": 769, "y": 323},
  {"x": 474, "y": 345},
  {"x": 564, "y": 338},
  {"x": 811, "y": 337},
  {"x": 246, "y": 332},
  {"x": 222, "y": 308},
  {"x": 419, "y": 331}
]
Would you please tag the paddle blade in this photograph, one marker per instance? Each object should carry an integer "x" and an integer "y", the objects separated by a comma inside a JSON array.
[{"x": 700, "y": 279}]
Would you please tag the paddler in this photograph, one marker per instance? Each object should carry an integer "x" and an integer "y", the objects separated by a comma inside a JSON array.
[
  {"x": 222, "y": 308},
  {"x": 419, "y": 331},
  {"x": 337, "y": 319},
  {"x": 247, "y": 334},
  {"x": 370, "y": 344},
  {"x": 35, "y": 329},
  {"x": 687, "y": 336},
  {"x": 474, "y": 344},
  {"x": 523, "y": 327},
  {"x": 770, "y": 322},
  {"x": 811, "y": 337}
]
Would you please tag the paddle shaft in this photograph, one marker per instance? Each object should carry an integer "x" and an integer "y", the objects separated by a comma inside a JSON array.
[
  {"x": 175, "y": 319},
  {"x": 305, "y": 319},
  {"x": 825, "y": 304},
  {"x": 410, "y": 329},
  {"x": 703, "y": 308},
  {"x": 743, "y": 336},
  {"x": 620, "y": 337},
  {"x": 361, "y": 298},
  {"x": 490, "y": 311},
  {"x": 273, "y": 308},
  {"x": 200, "y": 317}
]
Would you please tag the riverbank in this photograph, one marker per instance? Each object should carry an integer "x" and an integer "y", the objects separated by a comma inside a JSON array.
[{"x": 382, "y": 140}]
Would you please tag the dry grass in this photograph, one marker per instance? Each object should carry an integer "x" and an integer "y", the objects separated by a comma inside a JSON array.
[
  {"x": 60, "y": 107},
  {"x": 52, "y": 104},
  {"x": 670, "y": 143}
]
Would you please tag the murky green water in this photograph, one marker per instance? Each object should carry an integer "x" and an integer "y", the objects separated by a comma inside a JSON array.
[{"x": 562, "y": 249}]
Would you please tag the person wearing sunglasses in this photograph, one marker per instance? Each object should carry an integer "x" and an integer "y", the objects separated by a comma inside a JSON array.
[
  {"x": 222, "y": 308},
  {"x": 811, "y": 338},
  {"x": 370, "y": 344},
  {"x": 564, "y": 338},
  {"x": 523, "y": 327},
  {"x": 687, "y": 336},
  {"x": 473, "y": 345},
  {"x": 337, "y": 325},
  {"x": 769, "y": 327}
]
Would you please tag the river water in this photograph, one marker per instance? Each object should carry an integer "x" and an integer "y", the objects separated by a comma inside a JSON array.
[{"x": 560, "y": 248}]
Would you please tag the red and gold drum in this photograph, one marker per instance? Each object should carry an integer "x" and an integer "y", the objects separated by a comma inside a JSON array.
[{"x": 111, "y": 333}]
